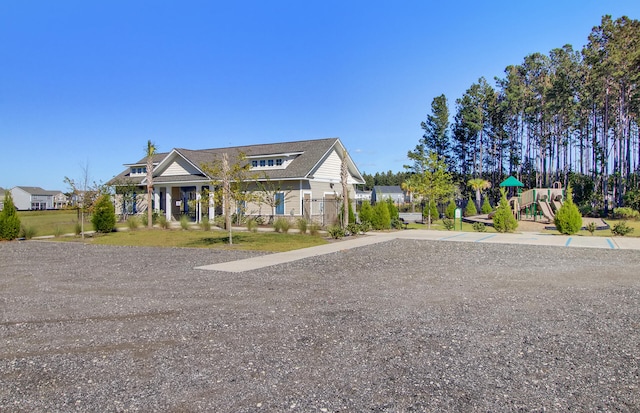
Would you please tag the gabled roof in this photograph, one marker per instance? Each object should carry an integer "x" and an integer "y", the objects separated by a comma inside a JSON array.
[
  {"x": 393, "y": 189},
  {"x": 36, "y": 190},
  {"x": 307, "y": 156}
]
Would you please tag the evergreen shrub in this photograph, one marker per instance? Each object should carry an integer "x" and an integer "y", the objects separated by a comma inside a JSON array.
[
  {"x": 434, "y": 212},
  {"x": 568, "y": 219},
  {"x": 450, "y": 212},
  {"x": 381, "y": 218},
  {"x": 104, "y": 215},
  {"x": 621, "y": 229},
  {"x": 366, "y": 212},
  {"x": 470, "y": 210},
  {"x": 486, "y": 206},
  {"x": 503, "y": 219},
  {"x": 9, "y": 220}
]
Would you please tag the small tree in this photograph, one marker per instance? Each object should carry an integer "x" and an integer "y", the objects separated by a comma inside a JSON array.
[
  {"x": 486, "y": 206},
  {"x": 479, "y": 185},
  {"x": 9, "y": 220},
  {"x": 450, "y": 212},
  {"x": 381, "y": 216},
  {"x": 503, "y": 220},
  {"x": 470, "y": 209},
  {"x": 430, "y": 211},
  {"x": 568, "y": 219},
  {"x": 366, "y": 213},
  {"x": 393, "y": 209},
  {"x": 104, "y": 215},
  {"x": 151, "y": 150}
]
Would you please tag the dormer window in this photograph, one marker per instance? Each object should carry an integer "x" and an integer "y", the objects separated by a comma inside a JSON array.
[
  {"x": 270, "y": 162},
  {"x": 263, "y": 163},
  {"x": 279, "y": 162},
  {"x": 273, "y": 161},
  {"x": 138, "y": 170}
]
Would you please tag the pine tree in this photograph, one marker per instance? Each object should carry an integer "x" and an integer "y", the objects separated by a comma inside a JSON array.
[
  {"x": 451, "y": 209},
  {"x": 9, "y": 220},
  {"x": 486, "y": 206},
  {"x": 503, "y": 220},
  {"x": 366, "y": 213},
  {"x": 568, "y": 219},
  {"x": 470, "y": 210}
]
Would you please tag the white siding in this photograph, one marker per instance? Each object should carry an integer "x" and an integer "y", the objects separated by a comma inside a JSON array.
[
  {"x": 179, "y": 167},
  {"x": 330, "y": 168},
  {"x": 21, "y": 199}
]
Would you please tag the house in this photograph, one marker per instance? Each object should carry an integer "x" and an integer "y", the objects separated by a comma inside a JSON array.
[
  {"x": 35, "y": 198},
  {"x": 293, "y": 179},
  {"x": 362, "y": 196},
  {"x": 394, "y": 193},
  {"x": 1, "y": 199}
]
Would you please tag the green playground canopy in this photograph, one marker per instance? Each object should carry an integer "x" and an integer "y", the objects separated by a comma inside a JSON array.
[{"x": 511, "y": 181}]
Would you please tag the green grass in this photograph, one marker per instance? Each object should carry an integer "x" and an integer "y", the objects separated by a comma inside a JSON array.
[
  {"x": 607, "y": 232},
  {"x": 242, "y": 240},
  {"x": 55, "y": 222},
  {"x": 50, "y": 222},
  {"x": 438, "y": 226}
]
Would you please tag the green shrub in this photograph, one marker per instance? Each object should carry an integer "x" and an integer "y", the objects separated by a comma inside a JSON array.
[
  {"x": 205, "y": 224},
  {"x": 503, "y": 219},
  {"x": 366, "y": 212},
  {"x": 104, "y": 215},
  {"x": 450, "y": 212},
  {"x": 281, "y": 225},
  {"x": 381, "y": 218},
  {"x": 184, "y": 222},
  {"x": 336, "y": 231},
  {"x": 568, "y": 219},
  {"x": 220, "y": 221},
  {"x": 621, "y": 229},
  {"x": 162, "y": 221},
  {"x": 632, "y": 199},
  {"x": 9, "y": 220},
  {"x": 470, "y": 210},
  {"x": 252, "y": 225},
  {"x": 28, "y": 232},
  {"x": 434, "y": 212},
  {"x": 364, "y": 227},
  {"x": 486, "y": 206},
  {"x": 591, "y": 227},
  {"x": 132, "y": 223},
  {"x": 314, "y": 228},
  {"x": 625, "y": 213},
  {"x": 353, "y": 229},
  {"x": 393, "y": 209},
  {"x": 397, "y": 223},
  {"x": 303, "y": 225},
  {"x": 479, "y": 227},
  {"x": 448, "y": 223}
]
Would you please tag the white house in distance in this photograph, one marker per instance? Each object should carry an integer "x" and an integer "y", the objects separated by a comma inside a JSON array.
[
  {"x": 28, "y": 198},
  {"x": 295, "y": 179},
  {"x": 395, "y": 193}
]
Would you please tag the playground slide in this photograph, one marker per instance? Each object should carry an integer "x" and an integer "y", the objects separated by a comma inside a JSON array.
[
  {"x": 546, "y": 209},
  {"x": 556, "y": 205}
]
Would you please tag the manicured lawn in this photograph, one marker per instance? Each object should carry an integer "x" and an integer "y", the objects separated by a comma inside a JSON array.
[
  {"x": 242, "y": 240},
  {"x": 54, "y": 222}
]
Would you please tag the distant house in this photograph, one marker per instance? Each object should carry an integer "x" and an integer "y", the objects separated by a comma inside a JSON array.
[
  {"x": 28, "y": 198},
  {"x": 362, "y": 196},
  {"x": 395, "y": 193},
  {"x": 1, "y": 199},
  {"x": 293, "y": 179}
]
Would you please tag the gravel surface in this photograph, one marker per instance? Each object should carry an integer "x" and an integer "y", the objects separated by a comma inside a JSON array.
[{"x": 400, "y": 326}]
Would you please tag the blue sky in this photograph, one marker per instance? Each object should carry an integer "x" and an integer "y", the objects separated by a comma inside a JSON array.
[{"x": 85, "y": 84}]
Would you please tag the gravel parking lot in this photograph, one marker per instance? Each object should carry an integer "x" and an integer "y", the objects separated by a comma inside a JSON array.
[{"x": 404, "y": 325}]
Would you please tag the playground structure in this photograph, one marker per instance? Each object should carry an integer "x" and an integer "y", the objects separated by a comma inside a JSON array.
[{"x": 538, "y": 203}]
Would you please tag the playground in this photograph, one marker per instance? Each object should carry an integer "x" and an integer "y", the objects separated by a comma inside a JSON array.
[{"x": 535, "y": 208}]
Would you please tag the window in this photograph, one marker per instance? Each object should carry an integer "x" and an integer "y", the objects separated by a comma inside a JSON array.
[
  {"x": 270, "y": 162},
  {"x": 279, "y": 162},
  {"x": 254, "y": 164},
  {"x": 263, "y": 162}
]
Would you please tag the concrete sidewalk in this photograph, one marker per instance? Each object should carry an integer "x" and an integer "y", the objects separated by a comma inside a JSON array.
[{"x": 525, "y": 238}]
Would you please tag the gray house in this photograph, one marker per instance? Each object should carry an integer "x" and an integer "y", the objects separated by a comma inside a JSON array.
[
  {"x": 292, "y": 179},
  {"x": 381, "y": 193},
  {"x": 28, "y": 198}
]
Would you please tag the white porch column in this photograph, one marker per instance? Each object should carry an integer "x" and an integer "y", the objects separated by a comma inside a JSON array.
[
  {"x": 212, "y": 206},
  {"x": 198, "y": 205},
  {"x": 168, "y": 204},
  {"x": 156, "y": 200}
]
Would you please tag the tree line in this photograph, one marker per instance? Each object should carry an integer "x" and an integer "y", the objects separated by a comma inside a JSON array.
[{"x": 568, "y": 116}]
